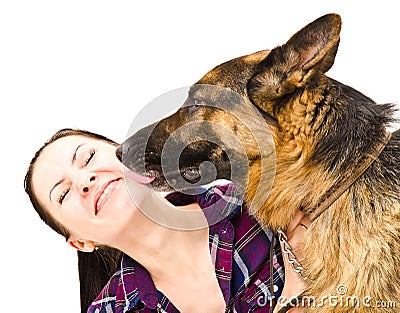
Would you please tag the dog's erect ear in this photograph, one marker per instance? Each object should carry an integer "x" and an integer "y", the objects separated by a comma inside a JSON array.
[{"x": 311, "y": 50}]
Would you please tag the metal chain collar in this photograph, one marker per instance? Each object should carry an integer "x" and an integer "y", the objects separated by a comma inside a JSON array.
[{"x": 287, "y": 249}]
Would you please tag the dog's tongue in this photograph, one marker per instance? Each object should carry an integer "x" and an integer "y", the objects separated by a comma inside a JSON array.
[{"x": 138, "y": 178}]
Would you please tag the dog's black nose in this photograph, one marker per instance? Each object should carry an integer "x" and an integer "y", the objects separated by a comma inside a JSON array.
[{"x": 118, "y": 152}]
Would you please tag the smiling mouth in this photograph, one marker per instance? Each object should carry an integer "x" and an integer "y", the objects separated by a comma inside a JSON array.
[{"x": 104, "y": 194}]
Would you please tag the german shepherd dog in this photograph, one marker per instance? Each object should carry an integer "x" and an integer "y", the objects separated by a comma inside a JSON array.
[{"x": 331, "y": 149}]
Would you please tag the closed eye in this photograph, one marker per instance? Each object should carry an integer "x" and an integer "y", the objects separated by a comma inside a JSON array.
[
  {"x": 89, "y": 157},
  {"x": 62, "y": 196}
]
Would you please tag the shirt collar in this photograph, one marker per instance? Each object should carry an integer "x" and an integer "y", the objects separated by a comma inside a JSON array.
[{"x": 217, "y": 203}]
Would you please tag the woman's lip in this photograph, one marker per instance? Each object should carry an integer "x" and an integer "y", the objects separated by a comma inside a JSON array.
[
  {"x": 141, "y": 179},
  {"x": 104, "y": 194}
]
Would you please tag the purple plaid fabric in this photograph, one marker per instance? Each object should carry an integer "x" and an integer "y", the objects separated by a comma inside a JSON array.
[{"x": 239, "y": 249}]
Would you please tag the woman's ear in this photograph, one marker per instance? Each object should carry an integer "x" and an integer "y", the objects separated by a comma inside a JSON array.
[{"x": 82, "y": 244}]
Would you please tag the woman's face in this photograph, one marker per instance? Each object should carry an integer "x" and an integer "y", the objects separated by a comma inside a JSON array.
[{"x": 80, "y": 182}]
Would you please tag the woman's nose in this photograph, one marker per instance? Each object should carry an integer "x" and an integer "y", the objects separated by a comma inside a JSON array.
[{"x": 88, "y": 183}]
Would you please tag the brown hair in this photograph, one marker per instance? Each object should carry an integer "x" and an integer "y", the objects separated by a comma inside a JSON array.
[{"x": 95, "y": 268}]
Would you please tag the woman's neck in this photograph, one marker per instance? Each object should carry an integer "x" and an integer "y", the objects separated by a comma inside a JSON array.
[{"x": 164, "y": 250}]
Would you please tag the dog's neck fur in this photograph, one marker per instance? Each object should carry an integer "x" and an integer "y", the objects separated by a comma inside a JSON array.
[{"x": 311, "y": 159}]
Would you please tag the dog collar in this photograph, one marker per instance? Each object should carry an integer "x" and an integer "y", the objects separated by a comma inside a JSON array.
[{"x": 360, "y": 168}]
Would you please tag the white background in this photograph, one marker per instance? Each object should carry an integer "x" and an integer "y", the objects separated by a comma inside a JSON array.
[{"x": 95, "y": 64}]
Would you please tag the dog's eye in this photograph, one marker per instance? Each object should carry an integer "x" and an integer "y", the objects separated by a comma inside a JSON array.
[
  {"x": 197, "y": 102},
  {"x": 194, "y": 104}
]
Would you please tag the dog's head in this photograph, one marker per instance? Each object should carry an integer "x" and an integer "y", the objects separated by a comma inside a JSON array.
[
  {"x": 216, "y": 133},
  {"x": 282, "y": 93},
  {"x": 268, "y": 80}
]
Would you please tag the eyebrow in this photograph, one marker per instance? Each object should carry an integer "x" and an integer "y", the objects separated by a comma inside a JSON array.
[{"x": 73, "y": 159}]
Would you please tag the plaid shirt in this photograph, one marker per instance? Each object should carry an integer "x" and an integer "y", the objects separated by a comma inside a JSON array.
[{"x": 239, "y": 249}]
